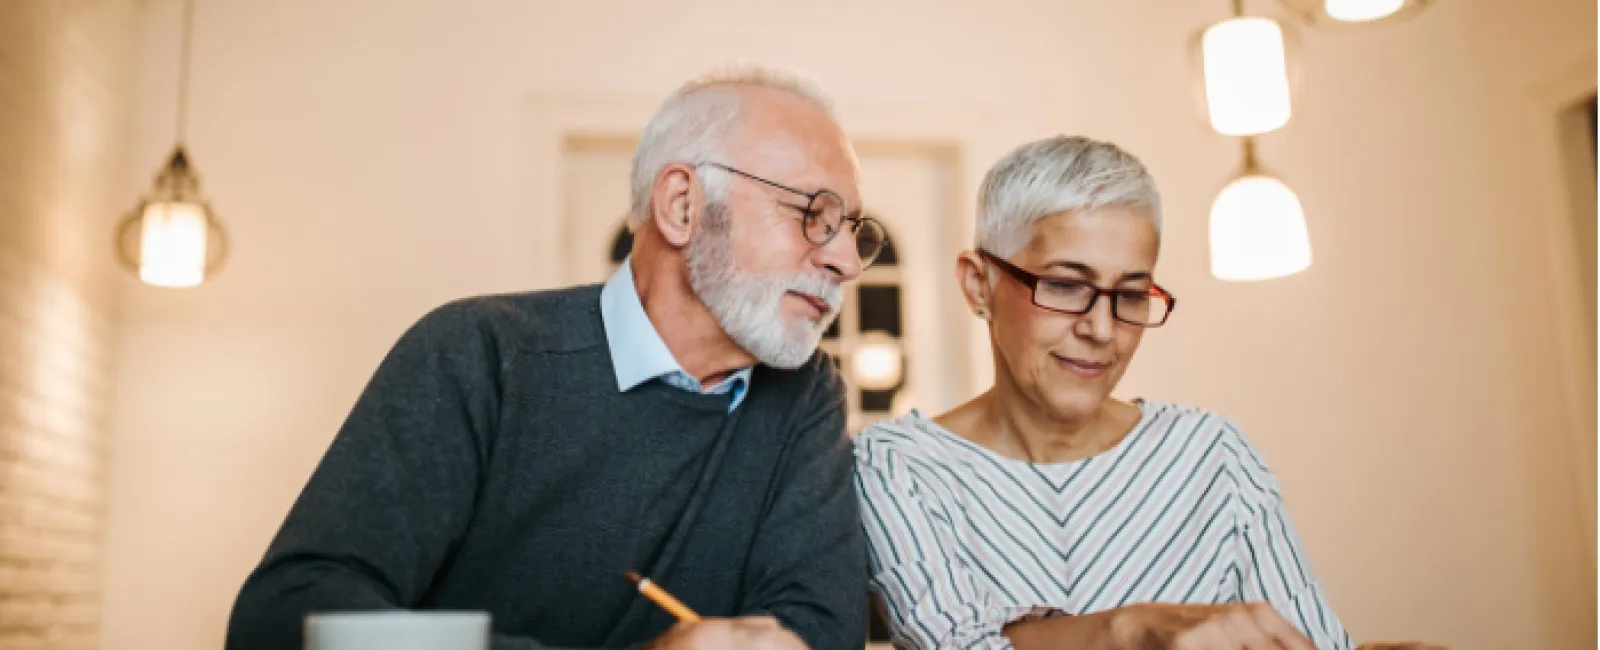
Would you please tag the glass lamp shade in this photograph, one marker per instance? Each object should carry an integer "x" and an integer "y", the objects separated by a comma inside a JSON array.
[
  {"x": 1355, "y": 11},
  {"x": 172, "y": 238},
  {"x": 1244, "y": 65},
  {"x": 172, "y": 244},
  {"x": 1258, "y": 230}
]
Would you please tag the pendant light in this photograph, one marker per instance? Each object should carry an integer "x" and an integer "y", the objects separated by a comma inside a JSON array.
[
  {"x": 878, "y": 362},
  {"x": 1354, "y": 11},
  {"x": 1248, "y": 78},
  {"x": 1245, "y": 74},
  {"x": 172, "y": 238},
  {"x": 1258, "y": 229}
]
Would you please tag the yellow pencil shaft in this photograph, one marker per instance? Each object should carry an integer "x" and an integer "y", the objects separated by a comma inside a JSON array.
[{"x": 660, "y": 597}]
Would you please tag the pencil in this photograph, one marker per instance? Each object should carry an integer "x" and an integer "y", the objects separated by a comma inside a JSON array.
[{"x": 660, "y": 597}]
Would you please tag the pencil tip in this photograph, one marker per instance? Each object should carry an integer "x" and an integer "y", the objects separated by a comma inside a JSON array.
[{"x": 633, "y": 576}]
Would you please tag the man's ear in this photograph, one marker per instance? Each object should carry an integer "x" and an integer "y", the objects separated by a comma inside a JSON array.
[
  {"x": 676, "y": 198},
  {"x": 972, "y": 275}
]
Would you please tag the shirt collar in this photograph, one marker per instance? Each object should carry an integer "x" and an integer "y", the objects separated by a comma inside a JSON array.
[{"x": 638, "y": 354}]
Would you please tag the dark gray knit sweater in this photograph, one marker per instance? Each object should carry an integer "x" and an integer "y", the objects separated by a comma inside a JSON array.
[{"x": 492, "y": 464}]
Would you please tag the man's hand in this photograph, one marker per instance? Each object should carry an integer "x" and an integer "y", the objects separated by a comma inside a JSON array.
[
  {"x": 1241, "y": 626},
  {"x": 749, "y": 633}
]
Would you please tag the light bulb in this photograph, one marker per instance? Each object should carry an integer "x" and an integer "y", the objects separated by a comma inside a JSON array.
[
  {"x": 1246, "y": 76},
  {"x": 172, "y": 245},
  {"x": 876, "y": 363},
  {"x": 1258, "y": 231},
  {"x": 1361, "y": 10}
]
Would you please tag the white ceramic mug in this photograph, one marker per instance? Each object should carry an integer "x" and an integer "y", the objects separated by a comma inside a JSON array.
[{"x": 397, "y": 630}]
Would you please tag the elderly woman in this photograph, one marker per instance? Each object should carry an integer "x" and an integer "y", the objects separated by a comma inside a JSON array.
[{"x": 1047, "y": 514}]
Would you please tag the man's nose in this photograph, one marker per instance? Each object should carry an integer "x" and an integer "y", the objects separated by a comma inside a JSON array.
[{"x": 839, "y": 257}]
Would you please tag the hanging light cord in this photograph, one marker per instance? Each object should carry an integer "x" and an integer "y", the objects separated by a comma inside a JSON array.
[
  {"x": 183, "y": 70},
  {"x": 1248, "y": 163}
]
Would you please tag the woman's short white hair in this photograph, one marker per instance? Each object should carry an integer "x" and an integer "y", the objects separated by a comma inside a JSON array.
[
  {"x": 1055, "y": 175},
  {"x": 693, "y": 123}
]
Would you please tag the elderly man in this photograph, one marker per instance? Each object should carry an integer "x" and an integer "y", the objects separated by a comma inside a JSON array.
[{"x": 518, "y": 454}]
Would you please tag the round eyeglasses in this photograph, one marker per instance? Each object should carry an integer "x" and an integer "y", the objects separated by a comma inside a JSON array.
[{"x": 823, "y": 217}]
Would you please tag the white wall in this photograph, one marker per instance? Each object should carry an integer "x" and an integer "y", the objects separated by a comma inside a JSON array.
[
  {"x": 65, "y": 86},
  {"x": 1531, "y": 60},
  {"x": 373, "y": 163}
]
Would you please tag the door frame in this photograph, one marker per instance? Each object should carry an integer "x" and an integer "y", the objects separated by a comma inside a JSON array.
[{"x": 1546, "y": 105}]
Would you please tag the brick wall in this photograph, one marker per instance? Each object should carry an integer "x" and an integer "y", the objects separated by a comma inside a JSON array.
[{"x": 64, "y": 91}]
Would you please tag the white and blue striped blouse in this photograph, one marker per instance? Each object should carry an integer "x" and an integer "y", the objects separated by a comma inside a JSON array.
[{"x": 1182, "y": 510}]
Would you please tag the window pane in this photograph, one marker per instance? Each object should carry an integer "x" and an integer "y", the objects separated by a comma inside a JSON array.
[
  {"x": 877, "y": 401},
  {"x": 880, "y": 308},
  {"x": 888, "y": 256}
]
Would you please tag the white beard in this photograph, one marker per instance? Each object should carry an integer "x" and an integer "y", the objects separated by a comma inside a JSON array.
[{"x": 747, "y": 305}]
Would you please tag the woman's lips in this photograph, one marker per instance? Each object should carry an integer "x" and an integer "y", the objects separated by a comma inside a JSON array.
[{"x": 1081, "y": 367}]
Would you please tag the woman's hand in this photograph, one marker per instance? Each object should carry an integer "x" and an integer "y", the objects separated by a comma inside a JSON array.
[
  {"x": 1234, "y": 626},
  {"x": 1160, "y": 626}
]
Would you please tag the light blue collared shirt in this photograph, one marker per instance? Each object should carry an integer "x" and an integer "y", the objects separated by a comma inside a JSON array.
[{"x": 639, "y": 355}]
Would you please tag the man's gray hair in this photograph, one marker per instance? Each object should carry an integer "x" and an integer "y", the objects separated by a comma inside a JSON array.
[
  {"x": 692, "y": 124},
  {"x": 1055, "y": 175}
]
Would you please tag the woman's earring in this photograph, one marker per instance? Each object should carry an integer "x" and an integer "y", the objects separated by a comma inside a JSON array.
[{"x": 983, "y": 312}]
